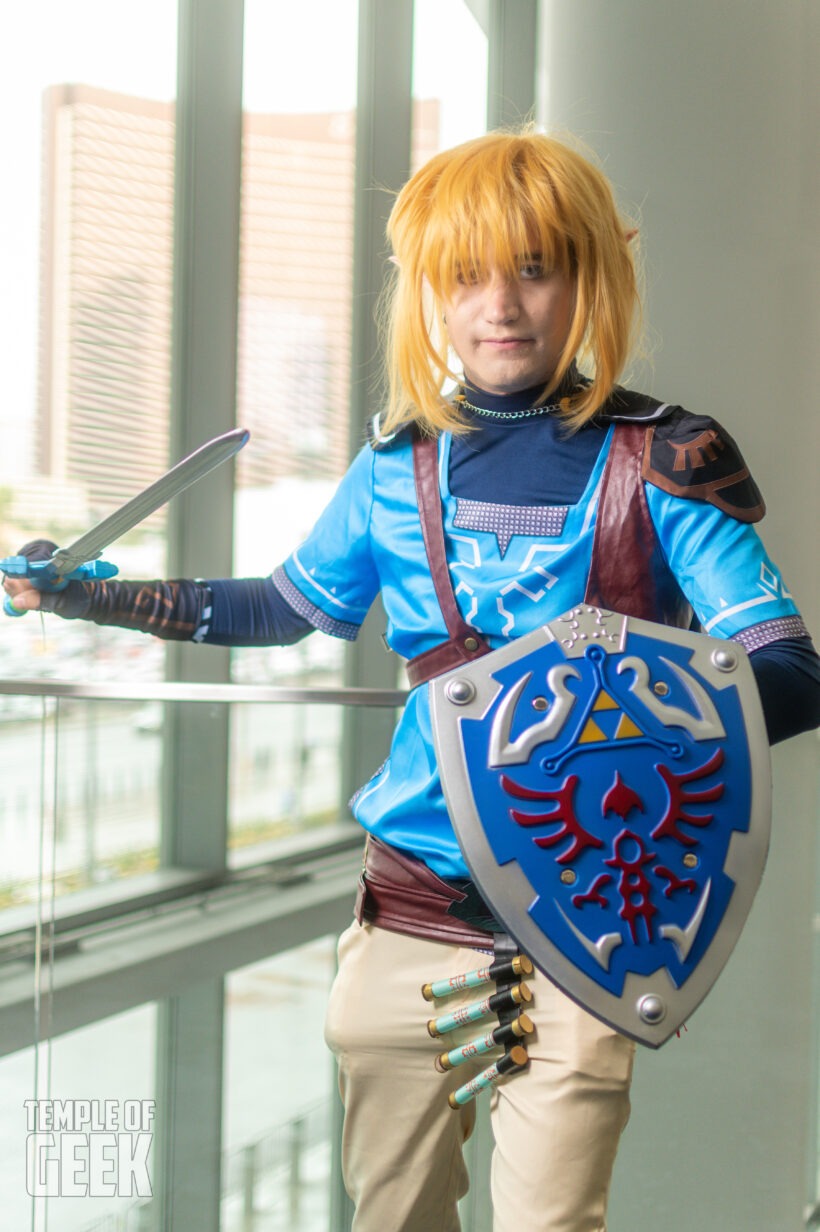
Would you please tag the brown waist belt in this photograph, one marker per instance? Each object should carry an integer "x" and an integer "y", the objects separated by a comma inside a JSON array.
[{"x": 401, "y": 894}]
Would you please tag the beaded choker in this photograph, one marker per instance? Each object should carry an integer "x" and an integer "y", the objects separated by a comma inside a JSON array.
[{"x": 505, "y": 416}]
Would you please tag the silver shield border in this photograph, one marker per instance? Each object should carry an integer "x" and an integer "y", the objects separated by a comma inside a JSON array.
[{"x": 507, "y": 889}]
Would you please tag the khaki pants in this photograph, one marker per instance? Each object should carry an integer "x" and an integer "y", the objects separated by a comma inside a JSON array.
[{"x": 556, "y": 1125}]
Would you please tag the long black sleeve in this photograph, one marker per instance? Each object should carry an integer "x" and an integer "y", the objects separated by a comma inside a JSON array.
[
  {"x": 229, "y": 612},
  {"x": 788, "y": 677}
]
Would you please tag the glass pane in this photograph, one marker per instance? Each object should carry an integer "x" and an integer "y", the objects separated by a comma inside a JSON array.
[
  {"x": 80, "y": 805},
  {"x": 279, "y": 1082},
  {"x": 91, "y": 1093},
  {"x": 285, "y": 770},
  {"x": 449, "y": 77},
  {"x": 293, "y": 380},
  {"x": 85, "y": 307},
  {"x": 85, "y": 246},
  {"x": 299, "y": 96},
  {"x": 296, "y": 251}
]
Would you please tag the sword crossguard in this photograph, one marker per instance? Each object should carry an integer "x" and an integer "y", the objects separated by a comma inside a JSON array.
[{"x": 43, "y": 575}]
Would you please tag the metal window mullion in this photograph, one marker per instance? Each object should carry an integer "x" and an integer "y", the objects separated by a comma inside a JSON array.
[
  {"x": 384, "y": 116},
  {"x": 203, "y": 403},
  {"x": 511, "y": 28},
  {"x": 194, "y": 825},
  {"x": 188, "y": 1151}
]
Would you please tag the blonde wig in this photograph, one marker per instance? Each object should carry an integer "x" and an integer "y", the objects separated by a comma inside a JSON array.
[{"x": 494, "y": 202}]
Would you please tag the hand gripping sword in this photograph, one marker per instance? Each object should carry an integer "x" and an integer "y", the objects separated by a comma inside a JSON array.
[{"x": 81, "y": 560}]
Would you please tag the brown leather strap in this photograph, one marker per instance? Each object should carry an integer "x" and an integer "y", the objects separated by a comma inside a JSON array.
[
  {"x": 620, "y": 574},
  {"x": 624, "y": 573},
  {"x": 400, "y": 893},
  {"x": 628, "y": 572},
  {"x": 464, "y": 643}
]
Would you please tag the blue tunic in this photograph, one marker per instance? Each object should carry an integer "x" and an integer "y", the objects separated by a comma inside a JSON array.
[{"x": 513, "y": 567}]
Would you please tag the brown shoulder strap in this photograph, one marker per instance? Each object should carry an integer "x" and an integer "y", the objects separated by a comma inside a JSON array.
[
  {"x": 624, "y": 573},
  {"x": 464, "y": 643}
]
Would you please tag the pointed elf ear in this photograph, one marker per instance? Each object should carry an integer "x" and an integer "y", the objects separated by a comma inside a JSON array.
[
  {"x": 630, "y": 235},
  {"x": 395, "y": 261}
]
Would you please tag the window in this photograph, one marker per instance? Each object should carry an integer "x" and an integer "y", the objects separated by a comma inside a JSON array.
[
  {"x": 85, "y": 312},
  {"x": 449, "y": 77}
]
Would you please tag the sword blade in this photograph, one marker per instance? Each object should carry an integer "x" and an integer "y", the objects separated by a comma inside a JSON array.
[{"x": 93, "y": 543}]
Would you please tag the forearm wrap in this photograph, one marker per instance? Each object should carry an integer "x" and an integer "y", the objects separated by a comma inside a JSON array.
[{"x": 176, "y": 610}]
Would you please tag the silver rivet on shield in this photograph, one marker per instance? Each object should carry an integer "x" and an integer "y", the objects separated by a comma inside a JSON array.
[
  {"x": 460, "y": 692},
  {"x": 725, "y": 660},
  {"x": 652, "y": 1009}
]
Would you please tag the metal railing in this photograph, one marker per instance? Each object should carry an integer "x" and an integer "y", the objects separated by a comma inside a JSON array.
[
  {"x": 179, "y": 691},
  {"x": 83, "y": 911},
  {"x": 311, "y": 869}
]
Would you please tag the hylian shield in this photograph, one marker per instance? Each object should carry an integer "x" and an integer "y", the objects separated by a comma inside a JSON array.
[{"x": 608, "y": 781}]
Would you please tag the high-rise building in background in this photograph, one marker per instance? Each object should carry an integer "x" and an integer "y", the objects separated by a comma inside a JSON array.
[
  {"x": 295, "y": 283},
  {"x": 105, "y": 303},
  {"x": 107, "y": 255}
]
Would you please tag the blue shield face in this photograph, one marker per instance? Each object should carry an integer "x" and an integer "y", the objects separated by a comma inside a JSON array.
[{"x": 608, "y": 782}]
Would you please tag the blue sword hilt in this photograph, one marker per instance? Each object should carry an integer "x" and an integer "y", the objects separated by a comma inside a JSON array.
[{"x": 35, "y": 562}]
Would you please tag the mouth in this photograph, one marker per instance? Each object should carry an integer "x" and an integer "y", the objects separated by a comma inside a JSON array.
[{"x": 506, "y": 343}]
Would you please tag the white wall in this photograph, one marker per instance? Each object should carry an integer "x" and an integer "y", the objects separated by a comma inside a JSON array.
[{"x": 707, "y": 117}]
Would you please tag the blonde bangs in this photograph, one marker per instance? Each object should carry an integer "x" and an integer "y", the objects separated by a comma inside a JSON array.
[
  {"x": 496, "y": 202},
  {"x": 482, "y": 218}
]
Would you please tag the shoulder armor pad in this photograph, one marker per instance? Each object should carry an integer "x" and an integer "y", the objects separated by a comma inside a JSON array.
[
  {"x": 378, "y": 441},
  {"x": 693, "y": 456},
  {"x": 626, "y": 406}
]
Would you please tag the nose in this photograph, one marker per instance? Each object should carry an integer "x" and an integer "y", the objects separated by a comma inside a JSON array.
[{"x": 501, "y": 304}]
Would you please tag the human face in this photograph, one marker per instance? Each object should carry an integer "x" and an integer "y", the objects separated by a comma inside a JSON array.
[{"x": 509, "y": 333}]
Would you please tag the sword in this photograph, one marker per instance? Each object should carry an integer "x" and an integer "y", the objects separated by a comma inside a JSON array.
[{"x": 81, "y": 560}]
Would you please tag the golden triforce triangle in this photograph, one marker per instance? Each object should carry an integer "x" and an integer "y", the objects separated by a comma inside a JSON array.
[{"x": 609, "y": 723}]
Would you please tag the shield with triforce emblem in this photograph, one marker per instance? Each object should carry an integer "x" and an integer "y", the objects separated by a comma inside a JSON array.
[{"x": 608, "y": 781}]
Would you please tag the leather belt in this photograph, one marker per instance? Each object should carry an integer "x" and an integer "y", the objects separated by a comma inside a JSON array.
[{"x": 401, "y": 894}]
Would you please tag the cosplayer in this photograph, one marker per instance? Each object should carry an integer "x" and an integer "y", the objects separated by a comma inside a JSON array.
[{"x": 514, "y": 288}]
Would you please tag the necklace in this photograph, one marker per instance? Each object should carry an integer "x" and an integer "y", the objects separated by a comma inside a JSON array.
[{"x": 546, "y": 409}]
